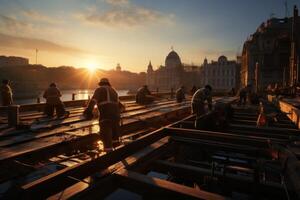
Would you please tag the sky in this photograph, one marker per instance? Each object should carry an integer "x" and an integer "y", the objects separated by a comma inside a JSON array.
[{"x": 102, "y": 33}]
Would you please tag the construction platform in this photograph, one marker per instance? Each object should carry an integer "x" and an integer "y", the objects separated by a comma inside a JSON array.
[{"x": 226, "y": 158}]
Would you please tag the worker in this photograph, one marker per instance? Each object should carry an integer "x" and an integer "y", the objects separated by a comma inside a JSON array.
[
  {"x": 52, "y": 95},
  {"x": 198, "y": 102},
  {"x": 143, "y": 96},
  {"x": 180, "y": 94},
  {"x": 243, "y": 96},
  {"x": 109, "y": 107},
  {"x": 6, "y": 93},
  {"x": 193, "y": 90}
]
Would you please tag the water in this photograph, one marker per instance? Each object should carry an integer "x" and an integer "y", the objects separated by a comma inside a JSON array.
[{"x": 67, "y": 96}]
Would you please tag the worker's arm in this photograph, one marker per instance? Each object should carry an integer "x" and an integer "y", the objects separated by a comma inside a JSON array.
[
  {"x": 58, "y": 93},
  {"x": 209, "y": 102}
]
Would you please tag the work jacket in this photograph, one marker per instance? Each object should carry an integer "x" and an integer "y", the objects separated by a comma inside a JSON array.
[
  {"x": 200, "y": 97},
  {"x": 108, "y": 103},
  {"x": 52, "y": 96},
  {"x": 141, "y": 95}
]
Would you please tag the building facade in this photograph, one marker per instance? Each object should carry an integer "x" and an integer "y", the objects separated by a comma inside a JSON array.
[
  {"x": 266, "y": 54},
  {"x": 221, "y": 74}
]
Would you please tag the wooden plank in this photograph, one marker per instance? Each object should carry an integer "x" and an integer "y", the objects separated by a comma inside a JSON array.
[
  {"x": 273, "y": 130},
  {"x": 127, "y": 123},
  {"x": 227, "y": 180},
  {"x": 162, "y": 189},
  {"x": 59, "y": 122},
  {"x": 213, "y": 146},
  {"x": 59, "y": 180},
  {"x": 79, "y": 111},
  {"x": 253, "y": 141},
  {"x": 96, "y": 190}
]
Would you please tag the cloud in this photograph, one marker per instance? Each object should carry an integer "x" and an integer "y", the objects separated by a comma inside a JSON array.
[
  {"x": 12, "y": 24},
  {"x": 39, "y": 17},
  {"x": 31, "y": 43},
  {"x": 124, "y": 14},
  {"x": 118, "y": 2}
]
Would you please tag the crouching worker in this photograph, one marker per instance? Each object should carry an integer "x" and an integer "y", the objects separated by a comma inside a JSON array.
[
  {"x": 180, "y": 94},
  {"x": 53, "y": 102},
  {"x": 198, "y": 103},
  {"x": 109, "y": 107},
  {"x": 6, "y": 93},
  {"x": 143, "y": 96}
]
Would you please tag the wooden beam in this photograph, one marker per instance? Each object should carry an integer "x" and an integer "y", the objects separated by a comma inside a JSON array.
[
  {"x": 229, "y": 180},
  {"x": 253, "y": 141},
  {"x": 221, "y": 146},
  {"x": 153, "y": 151},
  {"x": 161, "y": 189},
  {"x": 59, "y": 180}
]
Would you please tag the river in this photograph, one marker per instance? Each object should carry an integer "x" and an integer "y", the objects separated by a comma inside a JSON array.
[{"x": 66, "y": 96}]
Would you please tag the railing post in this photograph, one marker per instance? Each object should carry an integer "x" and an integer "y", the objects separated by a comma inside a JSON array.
[
  {"x": 172, "y": 93},
  {"x": 38, "y": 100},
  {"x": 13, "y": 115},
  {"x": 156, "y": 90},
  {"x": 73, "y": 96}
]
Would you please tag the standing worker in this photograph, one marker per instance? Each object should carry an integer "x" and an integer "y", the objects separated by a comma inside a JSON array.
[
  {"x": 52, "y": 95},
  {"x": 143, "y": 96},
  {"x": 6, "y": 93},
  {"x": 107, "y": 100},
  {"x": 198, "y": 102},
  {"x": 243, "y": 96},
  {"x": 180, "y": 94}
]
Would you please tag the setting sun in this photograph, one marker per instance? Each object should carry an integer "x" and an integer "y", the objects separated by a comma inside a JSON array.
[{"x": 92, "y": 66}]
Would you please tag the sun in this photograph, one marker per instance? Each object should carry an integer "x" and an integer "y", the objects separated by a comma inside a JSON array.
[{"x": 91, "y": 66}]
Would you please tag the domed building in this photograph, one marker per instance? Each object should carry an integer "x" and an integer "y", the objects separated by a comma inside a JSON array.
[
  {"x": 220, "y": 74},
  {"x": 168, "y": 76}
]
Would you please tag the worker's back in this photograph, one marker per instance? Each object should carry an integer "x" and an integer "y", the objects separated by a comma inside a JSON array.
[
  {"x": 141, "y": 95},
  {"x": 52, "y": 96},
  {"x": 108, "y": 102},
  {"x": 180, "y": 96},
  {"x": 199, "y": 96}
]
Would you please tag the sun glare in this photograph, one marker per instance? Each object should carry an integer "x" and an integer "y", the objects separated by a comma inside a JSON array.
[{"x": 91, "y": 66}]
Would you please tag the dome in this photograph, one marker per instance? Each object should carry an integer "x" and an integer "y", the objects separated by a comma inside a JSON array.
[
  {"x": 173, "y": 55},
  {"x": 173, "y": 59},
  {"x": 222, "y": 59}
]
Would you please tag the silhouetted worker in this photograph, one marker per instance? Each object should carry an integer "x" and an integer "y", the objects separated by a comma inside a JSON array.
[
  {"x": 193, "y": 90},
  {"x": 107, "y": 100},
  {"x": 53, "y": 102},
  {"x": 6, "y": 93},
  {"x": 180, "y": 94},
  {"x": 198, "y": 102},
  {"x": 143, "y": 96},
  {"x": 243, "y": 96}
]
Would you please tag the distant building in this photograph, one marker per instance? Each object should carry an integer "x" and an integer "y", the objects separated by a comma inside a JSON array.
[
  {"x": 8, "y": 61},
  {"x": 222, "y": 75},
  {"x": 269, "y": 51},
  {"x": 168, "y": 76},
  {"x": 118, "y": 68}
]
